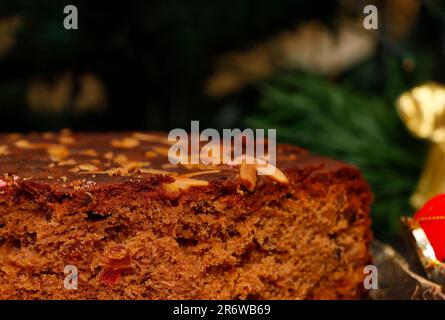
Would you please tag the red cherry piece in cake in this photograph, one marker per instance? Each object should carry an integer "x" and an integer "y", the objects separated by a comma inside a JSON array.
[{"x": 110, "y": 276}]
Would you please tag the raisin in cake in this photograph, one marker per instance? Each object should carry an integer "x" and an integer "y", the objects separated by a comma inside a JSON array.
[{"x": 137, "y": 227}]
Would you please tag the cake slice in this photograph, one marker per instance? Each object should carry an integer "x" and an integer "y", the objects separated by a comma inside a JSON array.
[{"x": 113, "y": 209}]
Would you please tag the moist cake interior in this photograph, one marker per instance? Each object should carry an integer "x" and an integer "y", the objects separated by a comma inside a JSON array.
[{"x": 118, "y": 214}]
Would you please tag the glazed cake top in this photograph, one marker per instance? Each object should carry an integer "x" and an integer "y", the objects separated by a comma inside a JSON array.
[{"x": 81, "y": 160}]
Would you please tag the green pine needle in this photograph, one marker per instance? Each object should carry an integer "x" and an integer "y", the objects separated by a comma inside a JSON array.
[{"x": 366, "y": 131}]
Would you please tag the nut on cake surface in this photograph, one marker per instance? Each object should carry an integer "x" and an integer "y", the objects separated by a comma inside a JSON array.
[{"x": 137, "y": 227}]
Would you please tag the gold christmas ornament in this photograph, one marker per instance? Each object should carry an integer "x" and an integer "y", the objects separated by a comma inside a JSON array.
[{"x": 422, "y": 109}]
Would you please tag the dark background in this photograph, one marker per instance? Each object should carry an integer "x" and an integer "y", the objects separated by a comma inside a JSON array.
[{"x": 153, "y": 56}]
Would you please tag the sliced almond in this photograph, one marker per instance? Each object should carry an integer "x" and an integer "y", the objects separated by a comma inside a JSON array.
[
  {"x": 277, "y": 174},
  {"x": 150, "y": 154},
  {"x": 263, "y": 168},
  {"x": 182, "y": 184},
  {"x": 89, "y": 152},
  {"x": 67, "y": 162},
  {"x": 87, "y": 167},
  {"x": 4, "y": 150},
  {"x": 74, "y": 170},
  {"x": 121, "y": 159},
  {"x": 161, "y": 150},
  {"x": 58, "y": 152},
  {"x": 125, "y": 143},
  {"x": 109, "y": 155},
  {"x": 23, "y": 144},
  {"x": 248, "y": 175},
  {"x": 66, "y": 140},
  {"x": 117, "y": 172}
]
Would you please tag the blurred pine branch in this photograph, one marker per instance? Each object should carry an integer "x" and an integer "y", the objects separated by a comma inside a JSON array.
[{"x": 361, "y": 129}]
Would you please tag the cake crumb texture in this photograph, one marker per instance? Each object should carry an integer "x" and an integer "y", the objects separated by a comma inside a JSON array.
[{"x": 137, "y": 227}]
